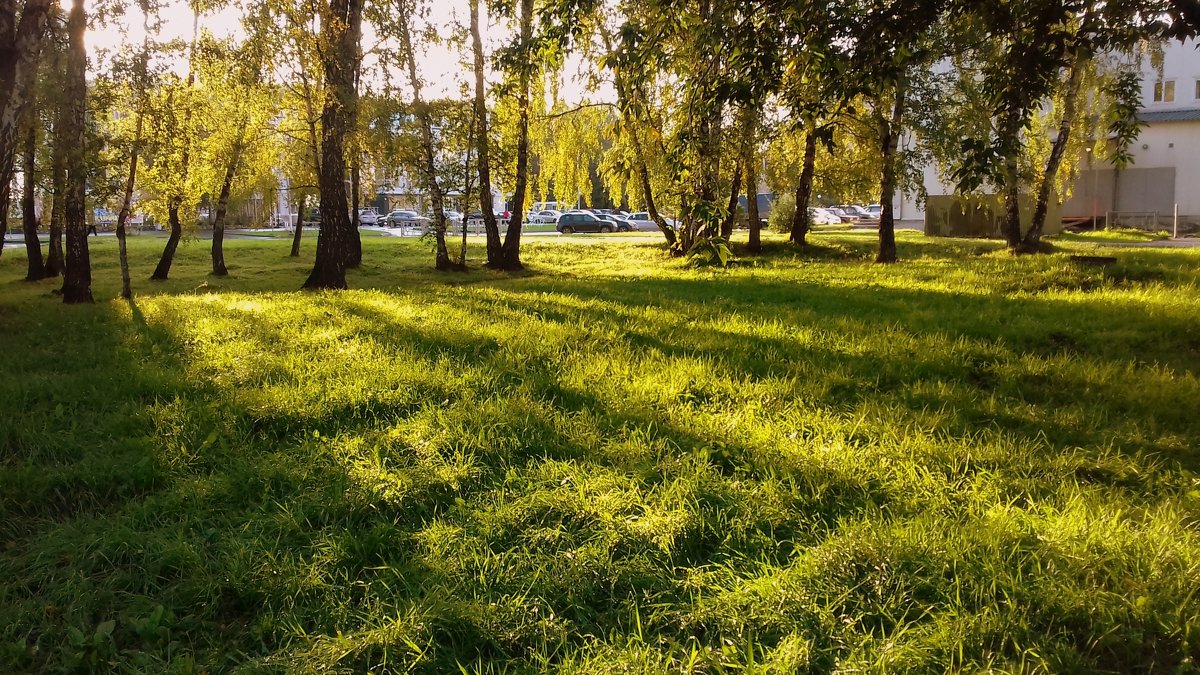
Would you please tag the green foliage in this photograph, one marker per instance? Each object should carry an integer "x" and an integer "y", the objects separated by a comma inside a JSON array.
[
  {"x": 969, "y": 462},
  {"x": 568, "y": 142},
  {"x": 1125, "y": 91},
  {"x": 782, "y": 213},
  {"x": 847, "y": 163},
  {"x": 711, "y": 252}
]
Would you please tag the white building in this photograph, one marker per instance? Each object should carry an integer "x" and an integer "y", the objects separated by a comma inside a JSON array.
[{"x": 1166, "y": 157}]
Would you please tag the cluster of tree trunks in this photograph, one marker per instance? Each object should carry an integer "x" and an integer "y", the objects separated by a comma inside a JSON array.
[
  {"x": 21, "y": 41},
  {"x": 482, "y": 150},
  {"x": 21, "y": 114}
]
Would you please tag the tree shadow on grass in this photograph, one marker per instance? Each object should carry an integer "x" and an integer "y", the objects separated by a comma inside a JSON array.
[
  {"x": 996, "y": 384},
  {"x": 497, "y": 499},
  {"x": 265, "y": 509}
]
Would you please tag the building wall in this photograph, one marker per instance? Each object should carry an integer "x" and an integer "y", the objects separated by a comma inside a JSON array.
[
  {"x": 1162, "y": 149},
  {"x": 1181, "y": 64},
  {"x": 1140, "y": 190},
  {"x": 1166, "y": 147}
]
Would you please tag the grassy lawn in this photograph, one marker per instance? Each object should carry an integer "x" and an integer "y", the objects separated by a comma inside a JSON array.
[
  {"x": 611, "y": 463},
  {"x": 1119, "y": 235}
]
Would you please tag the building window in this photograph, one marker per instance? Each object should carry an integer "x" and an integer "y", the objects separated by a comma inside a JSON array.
[
  {"x": 1164, "y": 91},
  {"x": 1198, "y": 90}
]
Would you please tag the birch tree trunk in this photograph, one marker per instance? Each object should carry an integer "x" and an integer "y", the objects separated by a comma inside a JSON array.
[
  {"x": 482, "y": 158},
  {"x": 36, "y": 268},
  {"x": 296, "y": 235},
  {"x": 163, "y": 270},
  {"x": 77, "y": 281},
  {"x": 731, "y": 207},
  {"x": 5, "y": 199},
  {"x": 750, "y": 174},
  {"x": 218, "y": 235},
  {"x": 630, "y": 103},
  {"x": 134, "y": 156},
  {"x": 890, "y": 130},
  {"x": 58, "y": 204},
  {"x": 333, "y": 242},
  {"x": 1010, "y": 225},
  {"x": 1057, "y": 151},
  {"x": 512, "y": 239},
  {"x": 801, "y": 220},
  {"x": 354, "y": 251},
  {"x": 429, "y": 172}
]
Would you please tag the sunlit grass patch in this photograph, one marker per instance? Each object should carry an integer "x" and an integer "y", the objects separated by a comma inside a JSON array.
[
  {"x": 608, "y": 463},
  {"x": 1122, "y": 235}
]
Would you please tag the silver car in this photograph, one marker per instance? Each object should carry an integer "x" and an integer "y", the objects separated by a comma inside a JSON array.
[
  {"x": 542, "y": 217},
  {"x": 642, "y": 222},
  {"x": 368, "y": 216}
]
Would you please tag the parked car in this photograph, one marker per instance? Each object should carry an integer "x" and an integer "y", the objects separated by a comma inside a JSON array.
[
  {"x": 858, "y": 211},
  {"x": 642, "y": 222},
  {"x": 570, "y": 223},
  {"x": 368, "y": 216},
  {"x": 846, "y": 216},
  {"x": 452, "y": 217},
  {"x": 403, "y": 218},
  {"x": 765, "y": 202},
  {"x": 476, "y": 217},
  {"x": 875, "y": 210},
  {"x": 542, "y": 217},
  {"x": 819, "y": 216},
  {"x": 622, "y": 224}
]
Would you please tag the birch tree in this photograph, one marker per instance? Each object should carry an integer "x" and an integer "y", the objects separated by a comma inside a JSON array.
[
  {"x": 21, "y": 37},
  {"x": 341, "y": 22}
]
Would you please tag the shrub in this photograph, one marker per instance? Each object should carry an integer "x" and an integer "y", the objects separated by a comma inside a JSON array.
[
  {"x": 711, "y": 252},
  {"x": 782, "y": 213}
]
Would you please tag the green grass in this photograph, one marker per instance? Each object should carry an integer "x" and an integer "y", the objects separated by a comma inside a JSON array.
[
  {"x": 611, "y": 463},
  {"x": 1119, "y": 235}
]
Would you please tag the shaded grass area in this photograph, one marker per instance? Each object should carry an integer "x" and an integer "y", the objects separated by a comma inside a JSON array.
[{"x": 610, "y": 463}]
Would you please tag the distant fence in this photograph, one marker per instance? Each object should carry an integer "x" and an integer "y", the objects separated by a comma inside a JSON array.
[
  {"x": 1153, "y": 221},
  {"x": 1150, "y": 221}
]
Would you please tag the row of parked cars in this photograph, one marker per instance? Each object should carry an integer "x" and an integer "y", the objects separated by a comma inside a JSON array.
[
  {"x": 836, "y": 215},
  {"x": 598, "y": 220},
  {"x": 568, "y": 222},
  {"x": 402, "y": 218},
  {"x": 605, "y": 220}
]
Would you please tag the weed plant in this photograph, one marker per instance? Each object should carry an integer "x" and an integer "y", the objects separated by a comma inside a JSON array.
[{"x": 613, "y": 463}]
